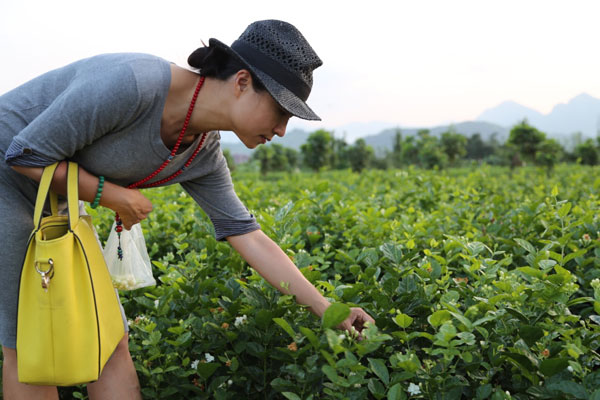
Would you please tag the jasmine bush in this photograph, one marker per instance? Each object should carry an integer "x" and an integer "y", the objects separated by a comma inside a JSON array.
[{"x": 483, "y": 283}]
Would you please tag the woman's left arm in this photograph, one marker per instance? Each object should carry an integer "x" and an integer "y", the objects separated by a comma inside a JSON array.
[{"x": 267, "y": 258}]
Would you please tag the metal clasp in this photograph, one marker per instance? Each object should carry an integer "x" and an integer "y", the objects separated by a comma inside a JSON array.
[{"x": 47, "y": 274}]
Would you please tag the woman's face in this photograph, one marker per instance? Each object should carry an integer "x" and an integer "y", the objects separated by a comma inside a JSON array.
[{"x": 257, "y": 117}]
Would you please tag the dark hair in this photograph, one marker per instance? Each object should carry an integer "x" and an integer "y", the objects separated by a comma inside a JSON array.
[{"x": 213, "y": 62}]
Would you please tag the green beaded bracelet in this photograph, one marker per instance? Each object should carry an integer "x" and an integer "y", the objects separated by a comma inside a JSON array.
[{"x": 96, "y": 202}]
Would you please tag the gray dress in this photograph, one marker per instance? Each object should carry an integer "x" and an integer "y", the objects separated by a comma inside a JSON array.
[{"x": 103, "y": 112}]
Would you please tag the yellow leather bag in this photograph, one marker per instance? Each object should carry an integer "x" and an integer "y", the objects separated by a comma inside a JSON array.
[{"x": 69, "y": 321}]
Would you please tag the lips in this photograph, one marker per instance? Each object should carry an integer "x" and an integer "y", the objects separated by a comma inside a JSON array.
[{"x": 264, "y": 139}]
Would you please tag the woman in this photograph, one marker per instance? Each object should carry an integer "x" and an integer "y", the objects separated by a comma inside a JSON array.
[{"x": 121, "y": 116}]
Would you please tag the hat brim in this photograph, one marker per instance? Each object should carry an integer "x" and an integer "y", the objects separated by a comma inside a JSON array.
[{"x": 283, "y": 96}]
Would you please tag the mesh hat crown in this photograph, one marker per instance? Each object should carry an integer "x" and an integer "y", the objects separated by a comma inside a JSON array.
[{"x": 281, "y": 59}]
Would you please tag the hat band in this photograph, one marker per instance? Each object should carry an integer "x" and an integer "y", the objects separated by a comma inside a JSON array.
[{"x": 273, "y": 68}]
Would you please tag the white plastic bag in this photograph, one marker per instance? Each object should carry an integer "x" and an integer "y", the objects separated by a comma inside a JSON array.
[{"x": 134, "y": 271}]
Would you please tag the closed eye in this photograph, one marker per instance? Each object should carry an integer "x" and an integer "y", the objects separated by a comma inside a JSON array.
[{"x": 284, "y": 113}]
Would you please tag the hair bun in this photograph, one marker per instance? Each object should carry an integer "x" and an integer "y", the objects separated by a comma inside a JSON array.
[{"x": 198, "y": 57}]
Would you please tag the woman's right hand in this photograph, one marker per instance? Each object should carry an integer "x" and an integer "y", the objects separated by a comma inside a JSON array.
[{"x": 131, "y": 205}]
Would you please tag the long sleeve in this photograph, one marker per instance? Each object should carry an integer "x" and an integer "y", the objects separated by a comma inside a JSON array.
[{"x": 216, "y": 196}]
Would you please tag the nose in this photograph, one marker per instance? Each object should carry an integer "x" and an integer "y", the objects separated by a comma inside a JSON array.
[{"x": 279, "y": 130}]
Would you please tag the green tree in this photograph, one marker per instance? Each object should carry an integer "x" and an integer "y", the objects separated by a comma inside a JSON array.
[
  {"x": 264, "y": 155},
  {"x": 430, "y": 151},
  {"x": 317, "y": 150},
  {"x": 526, "y": 139},
  {"x": 409, "y": 151},
  {"x": 587, "y": 153},
  {"x": 279, "y": 161},
  {"x": 396, "y": 154},
  {"x": 293, "y": 158},
  {"x": 339, "y": 154},
  {"x": 477, "y": 149},
  {"x": 454, "y": 145},
  {"x": 548, "y": 153},
  {"x": 229, "y": 160},
  {"x": 360, "y": 155}
]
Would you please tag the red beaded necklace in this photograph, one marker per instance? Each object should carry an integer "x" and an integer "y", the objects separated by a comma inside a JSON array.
[{"x": 142, "y": 183}]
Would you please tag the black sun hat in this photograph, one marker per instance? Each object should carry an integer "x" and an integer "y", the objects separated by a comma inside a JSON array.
[{"x": 281, "y": 59}]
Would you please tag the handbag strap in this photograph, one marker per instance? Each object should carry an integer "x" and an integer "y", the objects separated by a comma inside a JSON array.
[
  {"x": 43, "y": 194},
  {"x": 72, "y": 194}
]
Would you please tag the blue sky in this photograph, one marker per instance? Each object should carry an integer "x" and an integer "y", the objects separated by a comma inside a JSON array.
[{"x": 410, "y": 63}]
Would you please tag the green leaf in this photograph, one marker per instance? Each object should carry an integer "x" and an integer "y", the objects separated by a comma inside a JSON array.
[
  {"x": 291, "y": 396},
  {"x": 573, "y": 255},
  {"x": 334, "y": 341},
  {"x": 530, "y": 334},
  {"x": 483, "y": 392},
  {"x": 392, "y": 252},
  {"x": 376, "y": 388},
  {"x": 334, "y": 315},
  {"x": 463, "y": 320},
  {"x": 312, "y": 338},
  {"x": 439, "y": 317},
  {"x": 328, "y": 357},
  {"x": 568, "y": 388},
  {"x": 205, "y": 370},
  {"x": 286, "y": 327},
  {"x": 554, "y": 192},
  {"x": 379, "y": 368},
  {"x": 333, "y": 376},
  {"x": 403, "y": 320},
  {"x": 395, "y": 392},
  {"x": 526, "y": 245},
  {"x": 552, "y": 366},
  {"x": 531, "y": 272},
  {"x": 264, "y": 318},
  {"x": 564, "y": 210}
]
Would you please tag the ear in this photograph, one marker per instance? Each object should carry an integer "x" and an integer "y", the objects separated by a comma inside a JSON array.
[{"x": 242, "y": 82}]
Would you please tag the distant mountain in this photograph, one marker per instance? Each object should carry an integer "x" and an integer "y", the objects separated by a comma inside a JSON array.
[
  {"x": 580, "y": 114},
  {"x": 355, "y": 130},
  {"x": 510, "y": 113}
]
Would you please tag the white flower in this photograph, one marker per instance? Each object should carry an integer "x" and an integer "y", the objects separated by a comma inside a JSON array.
[
  {"x": 156, "y": 303},
  {"x": 342, "y": 336},
  {"x": 357, "y": 385},
  {"x": 208, "y": 357},
  {"x": 142, "y": 319},
  {"x": 124, "y": 282},
  {"x": 230, "y": 382},
  {"x": 570, "y": 369},
  {"x": 413, "y": 389},
  {"x": 195, "y": 364},
  {"x": 240, "y": 320}
]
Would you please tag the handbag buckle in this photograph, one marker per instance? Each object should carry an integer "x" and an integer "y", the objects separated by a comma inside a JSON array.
[{"x": 47, "y": 274}]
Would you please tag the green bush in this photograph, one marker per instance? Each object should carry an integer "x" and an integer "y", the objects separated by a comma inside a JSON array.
[{"x": 483, "y": 284}]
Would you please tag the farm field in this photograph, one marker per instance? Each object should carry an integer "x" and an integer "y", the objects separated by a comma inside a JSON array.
[{"x": 484, "y": 283}]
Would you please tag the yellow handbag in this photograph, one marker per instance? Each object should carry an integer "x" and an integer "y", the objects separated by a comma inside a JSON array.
[{"x": 69, "y": 320}]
